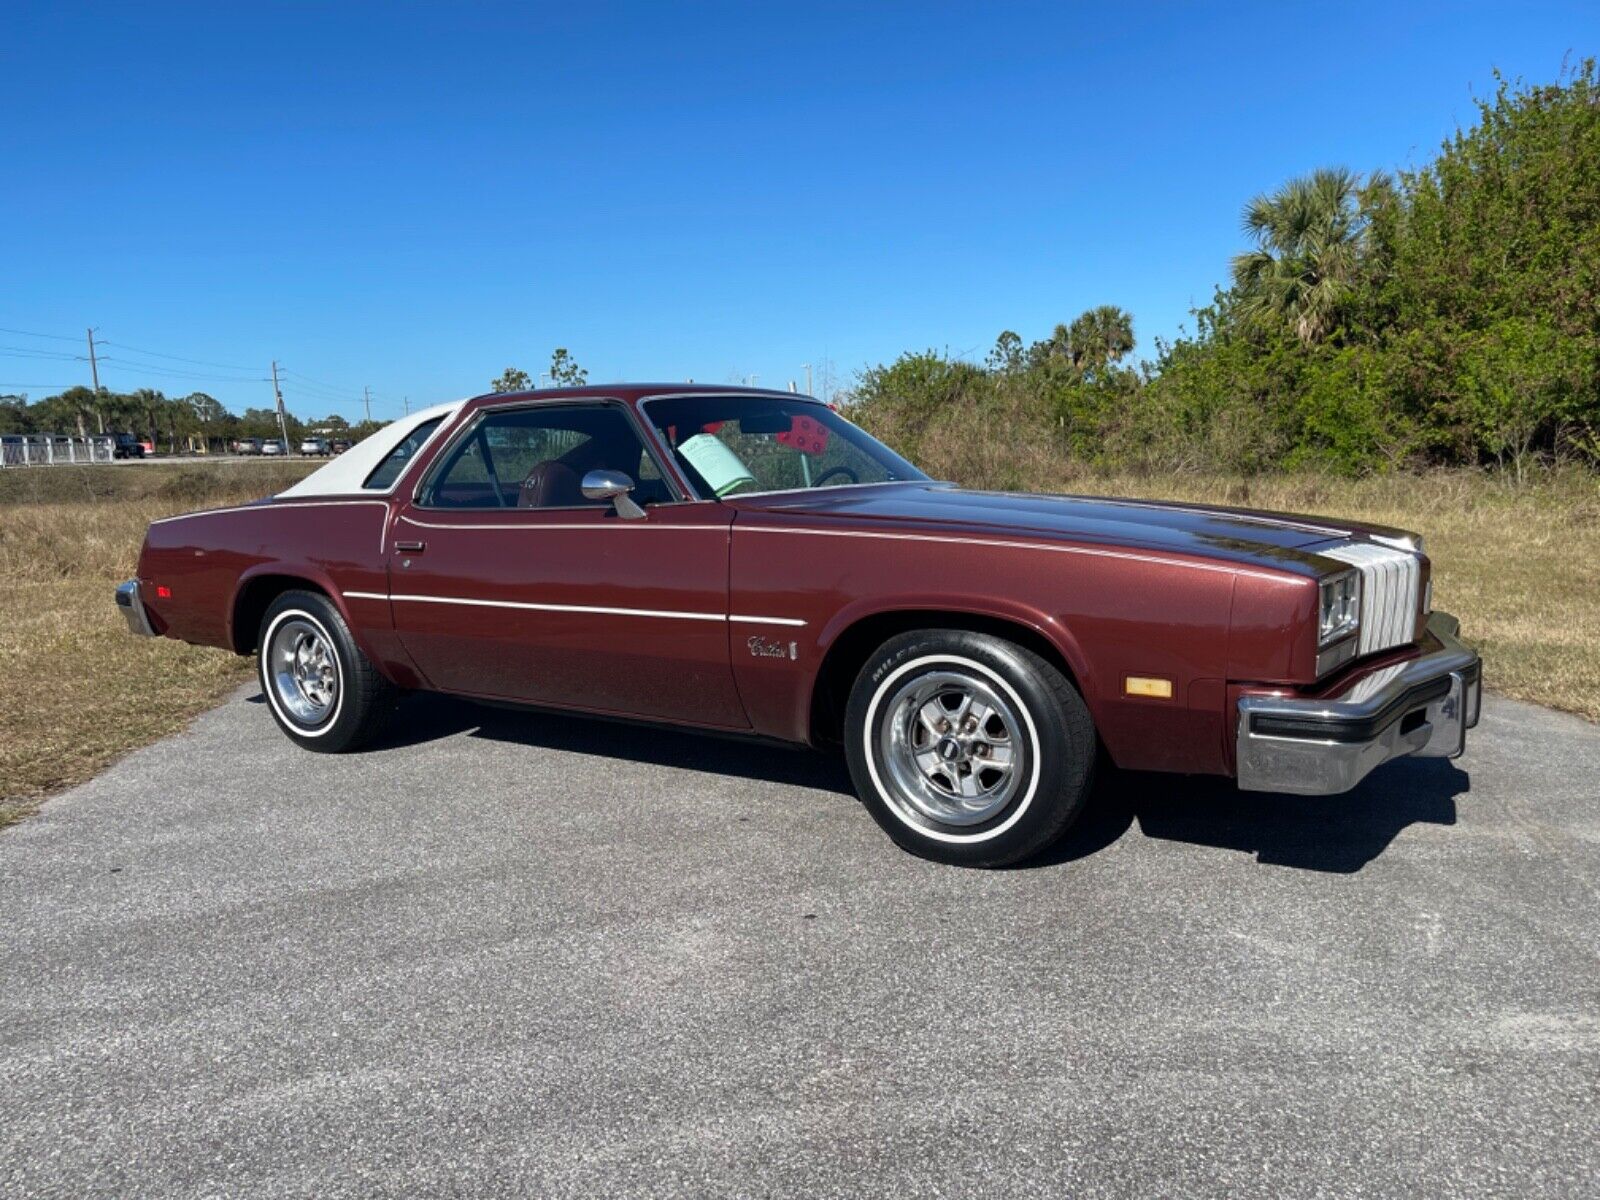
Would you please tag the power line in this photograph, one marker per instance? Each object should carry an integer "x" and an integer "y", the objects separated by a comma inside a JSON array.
[
  {"x": 128, "y": 366},
  {"x": 318, "y": 390},
  {"x": 308, "y": 382},
  {"x": 55, "y": 337},
  {"x": 29, "y": 352},
  {"x": 199, "y": 362},
  {"x": 309, "y": 403}
]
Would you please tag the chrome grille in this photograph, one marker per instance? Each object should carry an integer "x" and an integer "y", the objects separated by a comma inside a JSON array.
[{"x": 1390, "y": 580}]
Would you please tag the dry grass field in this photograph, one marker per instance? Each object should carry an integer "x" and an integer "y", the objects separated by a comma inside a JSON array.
[
  {"x": 76, "y": 690},
  {"x": 1519, "y": 565}
]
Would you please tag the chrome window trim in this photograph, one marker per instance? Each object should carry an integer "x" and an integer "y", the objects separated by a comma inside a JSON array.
[
  {"x": 815, "y": 491},
  {"x": 604, "y": 522},
  {"x": 481, "y": 414}
]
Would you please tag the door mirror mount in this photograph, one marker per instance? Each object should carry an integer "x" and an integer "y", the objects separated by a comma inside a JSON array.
[{"x": 613, "y": 486}]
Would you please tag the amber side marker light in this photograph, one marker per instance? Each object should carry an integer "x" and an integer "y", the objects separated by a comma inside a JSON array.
[{"x": 1143, "y": 685}]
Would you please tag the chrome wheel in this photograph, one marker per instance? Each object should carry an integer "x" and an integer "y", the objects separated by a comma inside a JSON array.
[
  {"x": 304, "y": 671},
  {"x": 952, "y": 745}
]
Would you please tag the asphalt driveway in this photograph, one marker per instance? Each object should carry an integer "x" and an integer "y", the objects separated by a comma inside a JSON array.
[{"x": 531, "y": 955}]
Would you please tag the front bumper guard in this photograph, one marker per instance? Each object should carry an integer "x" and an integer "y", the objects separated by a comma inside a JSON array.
[
  {"x": 131, "y": 606},
  {"x": 1422, "y": 707}
]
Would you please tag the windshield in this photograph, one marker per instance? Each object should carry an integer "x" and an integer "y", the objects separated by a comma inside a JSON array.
[{"x": 736, "y": 445}]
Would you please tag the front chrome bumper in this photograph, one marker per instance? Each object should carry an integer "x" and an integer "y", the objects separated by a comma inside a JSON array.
[
  {"x": 1321, "y": 747},
  {"x": 131, "y": 606}
]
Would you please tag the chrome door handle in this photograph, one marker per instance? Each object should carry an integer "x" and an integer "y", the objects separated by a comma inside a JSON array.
[{"x": 411, "y": 547}]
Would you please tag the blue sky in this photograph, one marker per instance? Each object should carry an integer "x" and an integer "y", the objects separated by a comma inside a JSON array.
[{"x": 412, "y": 198}]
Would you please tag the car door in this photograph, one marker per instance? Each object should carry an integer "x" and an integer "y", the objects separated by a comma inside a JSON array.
[{"x": 507, "y": 582}]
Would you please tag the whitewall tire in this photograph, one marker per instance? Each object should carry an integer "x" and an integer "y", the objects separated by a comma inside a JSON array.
[
  {"x": 968, "y": 748},
  {"x": 320, "y": 688}
]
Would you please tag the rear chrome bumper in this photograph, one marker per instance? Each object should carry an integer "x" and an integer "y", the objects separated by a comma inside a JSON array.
[
  {"x": 131, "y": 606},
  {"x": 1322, "y": 747}
]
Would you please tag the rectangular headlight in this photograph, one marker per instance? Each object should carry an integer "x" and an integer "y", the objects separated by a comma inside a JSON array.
[{"x": 1339, "y": 614}]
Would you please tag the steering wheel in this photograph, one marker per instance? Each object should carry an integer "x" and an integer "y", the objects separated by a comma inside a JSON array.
[{"x": 831, "y": 472}]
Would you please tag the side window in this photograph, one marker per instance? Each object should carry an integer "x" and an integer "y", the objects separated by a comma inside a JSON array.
[
  {"x": 537, "y": 458},
  {"x": 387, "y": 471}
]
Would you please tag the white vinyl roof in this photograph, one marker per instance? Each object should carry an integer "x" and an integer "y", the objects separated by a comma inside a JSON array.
[{"x": 343, "y": 476}]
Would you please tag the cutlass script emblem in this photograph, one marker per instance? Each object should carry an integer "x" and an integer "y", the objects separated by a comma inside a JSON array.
[{"x": 761, "y": 648}]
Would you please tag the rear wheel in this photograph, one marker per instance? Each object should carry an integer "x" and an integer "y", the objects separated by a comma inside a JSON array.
[
  {"x": 967, "y": 748},
  {"x": 323, "y": 692}
]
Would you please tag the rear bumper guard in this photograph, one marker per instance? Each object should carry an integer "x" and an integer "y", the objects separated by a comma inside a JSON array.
[
  {"x": 1423, "y": 707},
  {"x": 131, "y": 606}
]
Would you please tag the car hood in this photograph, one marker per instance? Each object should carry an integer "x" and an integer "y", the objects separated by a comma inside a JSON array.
[{"x": 1240, "y": 535}]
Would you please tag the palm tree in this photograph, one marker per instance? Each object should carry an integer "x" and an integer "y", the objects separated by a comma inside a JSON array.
[
  {"x": 150, "y": 403},
  {"x": 1100, "y": 337},
  {"x": 1310, "y": 236},
  {"x": 1095, "y": 339}
]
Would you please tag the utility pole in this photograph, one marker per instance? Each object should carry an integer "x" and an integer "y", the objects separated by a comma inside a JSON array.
[
  {"x": 94, "y": 371},
  {"x": 283, "y": 427},
  {"x": 406, "y": 401},
  {"x": 366, "y": 396},
  {"x": 808, "y": 378}
]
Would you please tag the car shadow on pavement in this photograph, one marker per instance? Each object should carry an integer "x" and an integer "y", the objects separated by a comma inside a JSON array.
[
  {"x": 1336, "y": 834},
  {"x": 426, "y": 718}
]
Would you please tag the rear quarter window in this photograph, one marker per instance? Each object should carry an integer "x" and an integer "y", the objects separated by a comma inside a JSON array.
[{"x": 386, "y": 472}]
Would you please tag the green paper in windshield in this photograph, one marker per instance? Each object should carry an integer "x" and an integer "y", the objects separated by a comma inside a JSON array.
[{"x": 718, "y": 466}]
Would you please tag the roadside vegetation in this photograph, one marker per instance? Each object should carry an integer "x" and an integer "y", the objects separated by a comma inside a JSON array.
[{"x": 1371, "y": 323}]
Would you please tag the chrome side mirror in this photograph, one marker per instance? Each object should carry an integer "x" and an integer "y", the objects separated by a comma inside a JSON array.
[{"x": 613, "y": 486}]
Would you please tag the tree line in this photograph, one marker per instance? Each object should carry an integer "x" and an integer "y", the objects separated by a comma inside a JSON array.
[
  {"x": 169, "y": 423},
  {"x": 1444, "y": 315}
]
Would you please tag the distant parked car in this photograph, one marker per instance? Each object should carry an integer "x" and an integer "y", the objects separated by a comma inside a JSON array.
[
  {"x": 338, "y": 446},
  {"x": 247, "y": 446},
  {"x": 273, "y": 446},
  {"x": 315, "y": 446}
]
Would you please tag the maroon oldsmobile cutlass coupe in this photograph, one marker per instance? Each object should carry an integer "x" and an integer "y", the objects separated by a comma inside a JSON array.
[{"x": 750, "y": 562}]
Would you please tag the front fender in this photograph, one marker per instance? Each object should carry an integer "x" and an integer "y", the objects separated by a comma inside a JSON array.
[{"x": 998, "y": 608}]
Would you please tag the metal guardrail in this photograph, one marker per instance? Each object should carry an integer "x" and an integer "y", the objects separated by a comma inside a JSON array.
[{"x": 34, "y": 451}]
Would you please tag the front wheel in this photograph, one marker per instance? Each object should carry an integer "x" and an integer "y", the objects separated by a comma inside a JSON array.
[
  {"x": 967, "y": 748},
  {"x": 323, "y": 692}
]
